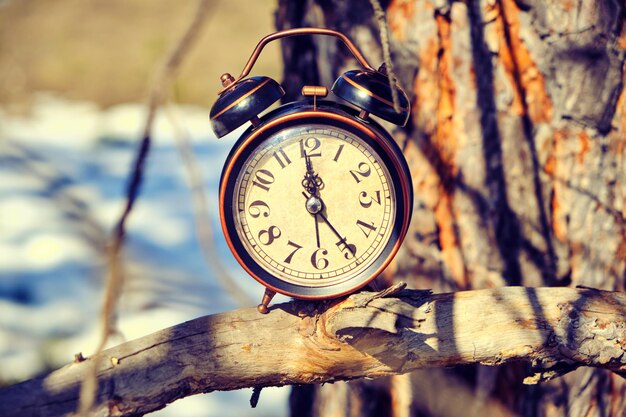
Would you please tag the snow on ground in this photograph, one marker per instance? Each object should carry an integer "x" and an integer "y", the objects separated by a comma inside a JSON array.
[{"x": 63, "y": 173}]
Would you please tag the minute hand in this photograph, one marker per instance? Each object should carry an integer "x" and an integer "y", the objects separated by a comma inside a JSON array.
[
  {"x": 351, "y": 248},
  {"x": 330, "y": 225}
]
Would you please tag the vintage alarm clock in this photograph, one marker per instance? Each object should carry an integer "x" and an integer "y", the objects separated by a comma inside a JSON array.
[{"x": 315, "y": 197}]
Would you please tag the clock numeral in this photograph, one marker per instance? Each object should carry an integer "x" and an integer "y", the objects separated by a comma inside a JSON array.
[
  {"x": 366, "y": 228},
  {"x": 268, "y": 236},
  {"x": 308, "y": 147},
  {"x": 297, "y": 248},
  {"x": 318, "y": 261},
  {"x": 348, "y": 249},
  {"x": 258, "y": 208},
  {"x": 363, "y": 170},
  {"x": 282, "y": 158},
  {"x": 264, "y": 179},
  {"x": 336, "y": 158},
  {"x": 367, "y": 202}
]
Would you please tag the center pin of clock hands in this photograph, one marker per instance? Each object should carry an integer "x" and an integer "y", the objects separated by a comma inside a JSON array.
[{"x": 314, "y": 204}]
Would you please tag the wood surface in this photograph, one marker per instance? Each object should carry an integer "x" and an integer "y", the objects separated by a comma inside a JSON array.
[{"x": 367, "y": 335}]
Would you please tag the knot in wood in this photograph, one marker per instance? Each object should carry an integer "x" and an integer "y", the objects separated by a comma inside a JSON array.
[{"x": 586, "y": 336}]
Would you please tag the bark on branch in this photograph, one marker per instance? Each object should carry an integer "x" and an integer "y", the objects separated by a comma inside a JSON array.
[{"x": 366, "y": 335}]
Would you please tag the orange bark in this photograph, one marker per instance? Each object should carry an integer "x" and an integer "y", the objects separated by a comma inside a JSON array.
[
  {"x": 529, "y": 95},
  {"x": 584, "y": 146},
  {"x": 426, "y": 87},
  {"x": 434, "y": 111},
  {"x": 444, "y": 138},
  {"x": 559, "y": 225},
  {"x": 445, "y": 143},
  {"x": 399, "y": 13}
]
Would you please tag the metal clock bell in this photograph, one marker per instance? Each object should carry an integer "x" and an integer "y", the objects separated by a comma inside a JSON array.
[{"x": 315, "y": 197}]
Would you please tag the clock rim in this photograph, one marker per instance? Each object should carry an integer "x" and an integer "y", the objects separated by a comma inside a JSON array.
[{"x": 382, "y": 143}]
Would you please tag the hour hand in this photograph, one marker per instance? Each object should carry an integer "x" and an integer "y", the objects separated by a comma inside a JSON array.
[
  {"x": 311, "y": 182},
  {"x": 317, "y": 232},
  {"x": 314, "y": 206}
]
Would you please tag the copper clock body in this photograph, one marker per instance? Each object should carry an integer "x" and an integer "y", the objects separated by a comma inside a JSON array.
[
  {"x": 315, "y": 196},
  {"x": 314, "y": 200}
]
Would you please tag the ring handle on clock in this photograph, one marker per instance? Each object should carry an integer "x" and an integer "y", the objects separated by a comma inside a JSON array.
[{"x": 297, "y": 32}]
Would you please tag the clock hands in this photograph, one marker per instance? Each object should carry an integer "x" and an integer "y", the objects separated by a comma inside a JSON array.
[
  {"x": 312, "y": 201},
  {"x": 314, "y": 205},
  {"x": 311, "y": 182},
  {"x": 317, "y": 232}
]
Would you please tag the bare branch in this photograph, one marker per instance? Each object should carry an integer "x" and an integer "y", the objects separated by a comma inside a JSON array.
[{"x": 555, "y": 329}]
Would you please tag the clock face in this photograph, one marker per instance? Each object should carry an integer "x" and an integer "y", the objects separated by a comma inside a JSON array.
[{"x": 312, "y": 209}]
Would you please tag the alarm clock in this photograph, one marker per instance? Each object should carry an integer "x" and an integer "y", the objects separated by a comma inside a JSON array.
[{"x": 315, "y": 197}]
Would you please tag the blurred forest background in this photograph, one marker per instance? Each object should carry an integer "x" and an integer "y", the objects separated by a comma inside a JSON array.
[{"x": 105, "y": 51}]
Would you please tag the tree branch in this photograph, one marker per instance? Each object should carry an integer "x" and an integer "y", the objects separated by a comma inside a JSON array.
[{"x": 556, "y": 330}]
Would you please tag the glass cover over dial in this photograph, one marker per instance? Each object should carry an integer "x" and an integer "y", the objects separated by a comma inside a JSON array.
[{"x": 314, "y": 205}]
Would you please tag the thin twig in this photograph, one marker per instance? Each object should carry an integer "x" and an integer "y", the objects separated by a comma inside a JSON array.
[
  {"x": 163, "y": 76},
  {"x": 199, "y": 201},
  {"x": 381, "y": 19}
]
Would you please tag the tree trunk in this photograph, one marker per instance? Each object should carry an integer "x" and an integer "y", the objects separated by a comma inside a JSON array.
[{"x": 517, "y": 146}]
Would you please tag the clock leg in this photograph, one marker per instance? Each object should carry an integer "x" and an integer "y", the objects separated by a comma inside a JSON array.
[{"x": 267, "y": 297}]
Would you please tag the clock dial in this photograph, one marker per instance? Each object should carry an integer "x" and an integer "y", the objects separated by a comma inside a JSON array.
[{"x": 314, "y": 206}]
